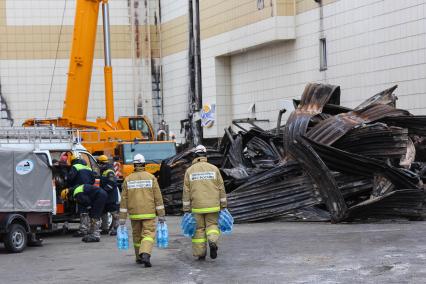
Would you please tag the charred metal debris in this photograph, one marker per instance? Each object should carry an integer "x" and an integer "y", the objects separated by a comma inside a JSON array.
[{"x": 327, "y": 162}]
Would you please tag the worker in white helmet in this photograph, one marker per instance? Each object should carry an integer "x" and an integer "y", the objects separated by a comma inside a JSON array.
[
  {"x": 204, "y": 195},
  {"x": 141, "y": 199}
]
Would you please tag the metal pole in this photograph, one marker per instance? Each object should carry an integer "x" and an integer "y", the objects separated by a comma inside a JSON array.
[
  {"x": 107, "y": 41},
  {"x": 109, "y": 97},
  {"x": 197, "y": 51}
]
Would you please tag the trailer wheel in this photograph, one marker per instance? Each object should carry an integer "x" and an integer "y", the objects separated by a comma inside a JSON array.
[{"x": 16, "y": 239}]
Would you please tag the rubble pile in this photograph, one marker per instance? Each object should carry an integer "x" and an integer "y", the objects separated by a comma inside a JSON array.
[{"x": 327, "y": 162}]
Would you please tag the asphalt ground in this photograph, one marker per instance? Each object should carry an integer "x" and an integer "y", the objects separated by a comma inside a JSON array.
[{"x": 274, "y": 252}]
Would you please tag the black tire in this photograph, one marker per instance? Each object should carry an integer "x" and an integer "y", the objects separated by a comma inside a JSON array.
[{"x": 16, "y": 239}]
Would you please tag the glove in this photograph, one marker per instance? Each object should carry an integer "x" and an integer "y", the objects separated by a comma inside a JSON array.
[
  {"x": 122, "y": 222},
  {"x": 162, "y": 219},
  {"x": 64, "y": 194}
]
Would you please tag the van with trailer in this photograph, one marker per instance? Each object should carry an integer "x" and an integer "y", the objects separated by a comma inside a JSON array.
[{"x": 32, "y": 176}]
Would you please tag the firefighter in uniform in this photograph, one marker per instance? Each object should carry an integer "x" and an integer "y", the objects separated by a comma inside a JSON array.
[
  {"x": 109, "y": 184},
  {"x": 80, "y": 174},
  {"x": 204, "y": 195},
  {"x": 141, "y": 199},
  {"x": 93, "y": 198}
]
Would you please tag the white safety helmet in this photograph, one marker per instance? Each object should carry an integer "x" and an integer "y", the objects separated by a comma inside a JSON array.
[
  {"x": 138, "y": 159},
  {"x": 200, "y": 149}
]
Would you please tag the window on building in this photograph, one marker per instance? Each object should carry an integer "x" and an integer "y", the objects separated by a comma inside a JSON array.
[
  {"x": 323, "y": 54},
  {"x": 260, "y": 4}
]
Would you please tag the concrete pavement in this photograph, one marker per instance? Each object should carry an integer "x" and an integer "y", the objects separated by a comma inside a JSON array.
[{"x": 393, "y": 252}]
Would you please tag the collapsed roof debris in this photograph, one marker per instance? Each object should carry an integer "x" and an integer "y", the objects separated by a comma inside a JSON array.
[{"x": 328, "y": 162}]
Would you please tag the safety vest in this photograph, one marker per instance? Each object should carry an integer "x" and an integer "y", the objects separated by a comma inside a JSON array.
[
  {"x": 79, "y": 189},
  {"x": 106, "y": 172},
  {"x": 80, "y": 167}
]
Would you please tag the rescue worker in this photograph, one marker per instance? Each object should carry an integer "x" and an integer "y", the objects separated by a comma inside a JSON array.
[
  {"x": 109, "y": 184},
  {"x": 80, "y": 174},
  {"x": 93, "y": 198},
  {"x": 141, "y": 199},
  {"x": 204, "y": 195}
]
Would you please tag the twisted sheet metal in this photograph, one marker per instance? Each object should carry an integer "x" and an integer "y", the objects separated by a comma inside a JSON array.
[
  {"x": 332, "y": 129},
  {"x": 273, "y": 193},
  {"x": 322, "y": 177},
  {"x": 353, "y": 186},
  {"x": 354, "y": 164},
  {"x": 402, "y": 203},
  {"x": 314, "y": 97},
  {"x": 376, "y": 141},
  {"x": 416, "y": 124},
  {"x": 375, "y": 108}
]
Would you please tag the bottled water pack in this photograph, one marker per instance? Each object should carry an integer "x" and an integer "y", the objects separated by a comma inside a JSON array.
[
  {"x": 188, "y": 225},
  {"x": 162, "y": 235},
  {"x": 225, "y": 222},
  {"x": 122, "y": 238}
]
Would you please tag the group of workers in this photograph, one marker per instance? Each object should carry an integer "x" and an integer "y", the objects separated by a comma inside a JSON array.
[
  {"x": 94, "y": 200},
  {"x": 141, "y": 200}
]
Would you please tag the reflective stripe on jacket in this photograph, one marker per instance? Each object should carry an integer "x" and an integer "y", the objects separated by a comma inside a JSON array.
[
  {"x": 80, "y": 167},
  {"x": 77, "y": 190},
  {"x": 141, "y": 197},
  {"x": 203, "y": 190},
  {"x": 80, "y": 174}
]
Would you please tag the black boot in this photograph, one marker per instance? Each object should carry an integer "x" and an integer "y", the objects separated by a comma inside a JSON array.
[
  {"x": 146, "y": 259},
  {"x": 213, "y": 250},
  {"x": 202, "y": 258}
]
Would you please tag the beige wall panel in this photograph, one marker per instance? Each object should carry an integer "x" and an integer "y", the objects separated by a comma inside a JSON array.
[
  {"x": 41, "y": 42},
  {"x": 174, "y": 35},
  {"x": 2, "y": 12},
  {"x": 218, "y": 16},
  {"x": 286, "y": 7}
]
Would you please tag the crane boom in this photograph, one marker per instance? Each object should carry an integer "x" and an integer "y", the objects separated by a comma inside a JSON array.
[
  {"x": 105, "y": 135},
  {"x": 81, "y": 60}
]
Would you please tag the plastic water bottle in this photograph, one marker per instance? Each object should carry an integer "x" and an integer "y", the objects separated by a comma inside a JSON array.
[
  {"x": 188, "y": 225},
  {"x": 162, "y": 235},
  {"x": 186, "y": 218},
  {"x": 122, "y": 238},
  {"x": 225, "y": 222},
  {"x": 165, "y": 235},
  {"x": 158, "y": 235}
]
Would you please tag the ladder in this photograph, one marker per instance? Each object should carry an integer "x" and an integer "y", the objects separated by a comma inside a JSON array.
[{"x": 29, "y": 135}]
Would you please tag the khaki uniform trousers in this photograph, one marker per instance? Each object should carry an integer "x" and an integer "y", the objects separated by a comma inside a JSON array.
[
  {"x": 143, "y": 232},
  {"x": 207, "y": 230}
]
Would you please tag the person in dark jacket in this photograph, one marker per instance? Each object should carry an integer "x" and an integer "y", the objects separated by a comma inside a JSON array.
[
  {"x": 92, "y": 198},
  {"x": 109, "y": 184},
  {"x": 80, "y": 174}
]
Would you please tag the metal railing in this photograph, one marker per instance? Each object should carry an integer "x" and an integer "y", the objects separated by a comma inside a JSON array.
[{"x": 26, "y": 135}]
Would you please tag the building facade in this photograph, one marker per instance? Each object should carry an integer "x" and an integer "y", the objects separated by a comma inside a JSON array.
[{"x": 256, "y": 56}]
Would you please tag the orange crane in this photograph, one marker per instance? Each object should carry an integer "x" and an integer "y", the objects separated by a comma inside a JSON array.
[{"x": 105, "y": 135}]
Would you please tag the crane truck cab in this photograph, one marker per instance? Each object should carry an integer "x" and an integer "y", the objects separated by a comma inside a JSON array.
[
  {"x": 154, "y": 152},
  {"x": 41, "y": 151}
]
